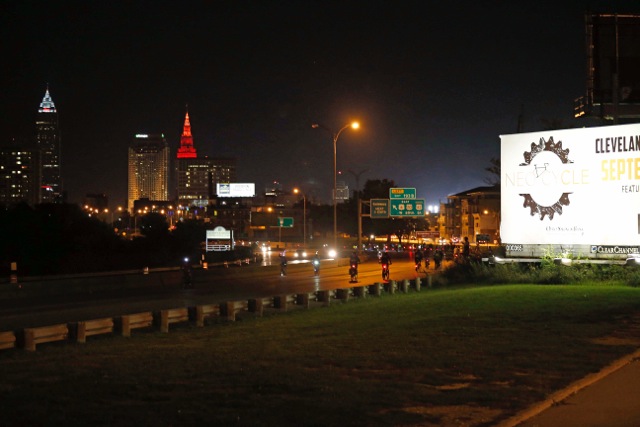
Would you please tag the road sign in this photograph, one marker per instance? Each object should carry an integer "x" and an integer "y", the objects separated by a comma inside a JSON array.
[
  {"x": 379, "y": 208},
  {"x": 402, "y": 193},
  {"x": 405, "y": 208},
  {"x": 342, "y": 193},
  {"x": 285, "y": 222}
]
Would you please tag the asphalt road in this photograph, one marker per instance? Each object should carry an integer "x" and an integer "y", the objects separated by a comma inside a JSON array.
[{"x": 210, "y": 288}]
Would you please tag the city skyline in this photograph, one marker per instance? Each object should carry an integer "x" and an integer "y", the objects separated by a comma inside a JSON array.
[{"x": 433, "y": 90}]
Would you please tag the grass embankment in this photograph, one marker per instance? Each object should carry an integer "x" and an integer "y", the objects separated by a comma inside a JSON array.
[{"x": 467, "y": 356}]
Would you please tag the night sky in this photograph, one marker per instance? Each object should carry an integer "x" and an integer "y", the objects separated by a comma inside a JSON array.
[{"x": 433, "y": 84}]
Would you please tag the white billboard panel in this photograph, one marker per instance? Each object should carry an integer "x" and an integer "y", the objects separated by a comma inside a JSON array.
[
  {"x": 236, "y": 190},
  {"x": 571, "y": 187}
]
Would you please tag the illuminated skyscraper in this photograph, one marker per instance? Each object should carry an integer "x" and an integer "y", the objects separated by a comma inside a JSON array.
[
  {"x": 197, "y": 177},
  {"x": 48, "y": 142},
  {"x": 148, "y": 169}
]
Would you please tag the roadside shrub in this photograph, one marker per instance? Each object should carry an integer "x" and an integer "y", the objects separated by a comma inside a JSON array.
[
  {"x": 545, "y": 273},
  {"x": 632, "y": 276}
]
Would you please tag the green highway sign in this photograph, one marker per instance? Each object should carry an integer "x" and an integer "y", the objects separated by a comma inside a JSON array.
[
  {"x": 405, "y": 208},
  {"x": 285, "y": 222},
  {"x": 402, "y": 193},
  {"x": 379, "y": 208}
]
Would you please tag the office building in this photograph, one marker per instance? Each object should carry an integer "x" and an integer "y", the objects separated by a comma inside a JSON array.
[
  {"x": 148, "y": 169},
  {"x": 196, "y": 178},
  {"x": 19, "y": 174}
]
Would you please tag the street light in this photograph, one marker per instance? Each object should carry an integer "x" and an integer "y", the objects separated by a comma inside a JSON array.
[
  {"x": 304, "y": 216},
  {"x": 335, "y": 136}
]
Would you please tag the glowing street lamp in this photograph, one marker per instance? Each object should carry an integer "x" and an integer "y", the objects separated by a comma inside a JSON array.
[{"x": 335, "y": 136}]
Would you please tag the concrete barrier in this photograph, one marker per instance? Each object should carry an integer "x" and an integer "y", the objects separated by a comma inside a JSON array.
[
  {"x": 230, "y": 309},
  {"x": 283, "y": 302},
  {"x": 343, "y": 294},
  {"x": 200, "y": 313},
  {"x": 134, "y": 321},
  {"x": 390, "y": 287},
  {"x": 7, "y": 340},
  {"x": 375, "y": 289},
  {"x": 324, "y": 297},
  {"x": 304, "y": 300},
  {"x": 34, "y": 336},
  {"x": 360, "y": 291},
  {"x": 175, "y": 315},
  {"x": 257, "y": 305},
  {"x": 83, "y": 329}
]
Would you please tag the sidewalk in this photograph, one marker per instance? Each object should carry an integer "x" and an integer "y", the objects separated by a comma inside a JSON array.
[{"x": 609, "y": 398}]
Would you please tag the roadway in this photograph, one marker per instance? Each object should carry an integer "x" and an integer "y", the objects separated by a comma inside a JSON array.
[{"x": 212, "y": 286}]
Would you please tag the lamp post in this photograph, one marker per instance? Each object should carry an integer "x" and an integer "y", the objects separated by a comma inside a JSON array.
[
  {"x": 335, "y": 136},
  {"x": 304, "y": 217}
]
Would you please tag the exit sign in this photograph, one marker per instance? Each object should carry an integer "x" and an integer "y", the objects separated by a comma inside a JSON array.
[
  {"x": 402, "y": 193},
  {"x": 407, "y": 208},
  {"x": 285, "y": 222}
]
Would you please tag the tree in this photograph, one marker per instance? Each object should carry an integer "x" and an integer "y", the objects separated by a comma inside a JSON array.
[
  {"x": 188, "y": 236},
  {"x": 494, "y": 170},
  {"x": 154, "y": 226}
]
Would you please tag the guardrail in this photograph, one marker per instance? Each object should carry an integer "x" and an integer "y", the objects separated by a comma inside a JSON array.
[{"x": 29, "y": 338}]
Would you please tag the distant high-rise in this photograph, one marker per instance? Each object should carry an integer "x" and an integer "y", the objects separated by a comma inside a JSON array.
[
  {"x": 197, "y": 177},
  {"x": 19, "y": 174},
  {"x": 48, "y": 142},
  {"x": 148, "y": 168}
]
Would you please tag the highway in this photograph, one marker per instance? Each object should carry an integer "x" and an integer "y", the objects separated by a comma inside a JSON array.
[{"x": 212, "y": 286}]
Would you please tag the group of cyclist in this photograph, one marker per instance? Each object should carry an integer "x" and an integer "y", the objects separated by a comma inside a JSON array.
[{"x": 437, "y": 254}]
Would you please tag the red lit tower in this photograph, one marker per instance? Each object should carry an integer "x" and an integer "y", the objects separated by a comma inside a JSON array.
[
  {"x": 186, "y": 150},
  {"x": 197, "y": 177}
]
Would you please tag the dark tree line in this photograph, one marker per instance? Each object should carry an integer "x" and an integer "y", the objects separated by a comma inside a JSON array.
[{"x": 62, "y": 239}]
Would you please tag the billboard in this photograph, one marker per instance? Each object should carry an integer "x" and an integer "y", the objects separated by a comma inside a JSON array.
[
  {"x": 571, "y": 187},
  {"x": 236, "y": 190}
]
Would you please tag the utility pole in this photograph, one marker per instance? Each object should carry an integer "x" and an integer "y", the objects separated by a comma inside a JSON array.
[{"x": 357, "y": 177}]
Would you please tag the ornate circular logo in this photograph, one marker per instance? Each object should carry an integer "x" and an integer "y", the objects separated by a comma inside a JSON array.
[{"x": 545, "y": 160}]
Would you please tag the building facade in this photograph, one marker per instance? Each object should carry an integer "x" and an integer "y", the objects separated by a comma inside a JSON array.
[
  {"x": 20, "y": 179},
  {"x": 48, "y": 142},
  {"x": 148, "y": 175},
  {"x": 196, "y": 177},
  {"x": 471, "y": 213}
]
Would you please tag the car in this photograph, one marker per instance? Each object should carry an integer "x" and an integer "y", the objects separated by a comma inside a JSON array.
[{"x": 300, "y": 254}]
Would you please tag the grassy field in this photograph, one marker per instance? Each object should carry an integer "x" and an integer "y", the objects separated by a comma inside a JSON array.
[{"x": 466, "y": 356}]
